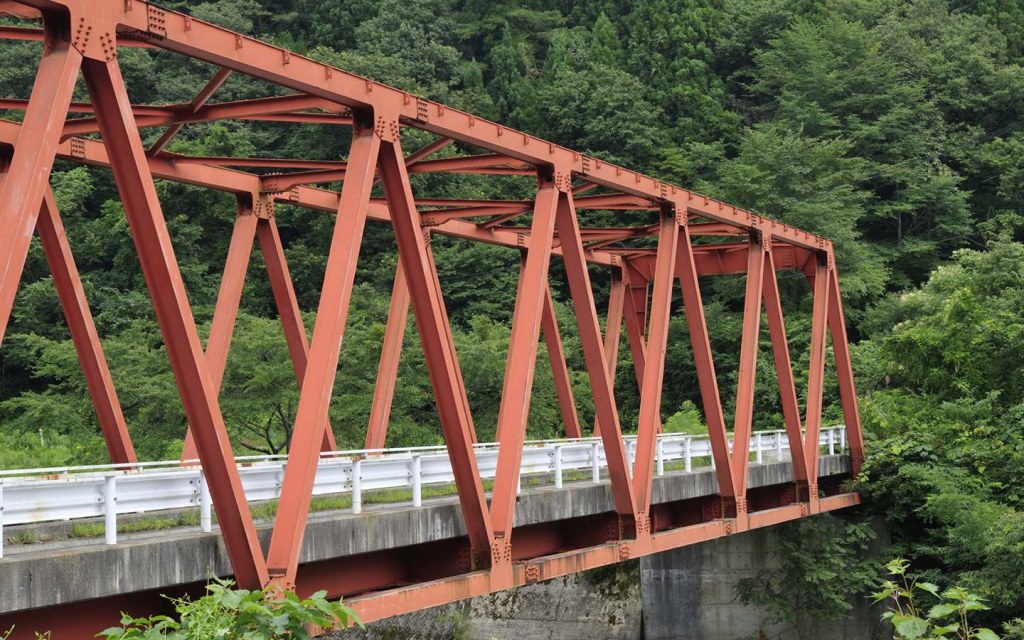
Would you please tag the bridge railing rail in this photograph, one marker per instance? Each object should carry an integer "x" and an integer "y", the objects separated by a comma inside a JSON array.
[{"x": 73, "y": 493}]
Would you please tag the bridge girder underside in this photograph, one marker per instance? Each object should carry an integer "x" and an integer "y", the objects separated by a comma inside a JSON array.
[{"x": 668, "y": 234}]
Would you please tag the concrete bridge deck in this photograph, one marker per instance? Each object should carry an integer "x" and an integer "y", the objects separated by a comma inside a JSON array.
[{"x": 63, "y": 573}]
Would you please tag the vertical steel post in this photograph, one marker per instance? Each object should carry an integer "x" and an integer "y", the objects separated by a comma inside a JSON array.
[
  {"x": 417, "y": 481},
  {"x": 438, "y": 350},
  {"x": 288, "y": 308},
  {"x": 83, "y": 333},
  {"x": 205, "y": 505},
  {"x": 357, "y": 486},
  {"x": 27, "y": 178},
  {"x": 558, "y": 466},
  {"x": 110, "y": 509},
  {"x": 322, "y": 366},
  {"x": 390, "y": 355},
  {"x": 595, "y": 463},
  {"x": 174, "y": 315}
]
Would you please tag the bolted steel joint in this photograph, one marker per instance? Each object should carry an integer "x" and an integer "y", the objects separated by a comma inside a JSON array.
[
  {"x": 387, "y": 129},
  {"x": 264, "y": 206}
]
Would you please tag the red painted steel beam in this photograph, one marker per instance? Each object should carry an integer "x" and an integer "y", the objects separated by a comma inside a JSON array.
[
  {"x": 38, "y": 35},
  {"x": 517, "y": 389},
  {"x": 174, "y": 315},
  {"x": 613, "y": 328},
  {"x": 19, "y": 104},
  {"x": 427, "y": 150},
  {"x": 715, "y": 229},
  {"x": 844, "y": 370},
  {"x": 211, "y": 87},
  {"x": 242, "y": 109},
  {"x": 322, "y": 368},
  {"x": 654, "y": 367},
  {"x": 27, "y": 179},
  {"x": 744, "y": 417},
  {"x": 229, "y": 297},
  {"x": 635, "y": 305},
  {"x": 287, "y": 303},
  {"x": 703, "y": 360},
  {"x": 83, "y": 333},
  {"x": 440, "y": 216},
  {"x": 559, "y": 368},
  {"x": 728, "y": 258},
  {"x": 601, "y": 385},
  {"x": 390, "y": 355},
  {"x": 816, "y": 376},
  {"x": 260, "y": 163},
  {"x": 470, "y": 164},
  {"x": 616, "y": 201},
  {"x": 784, "y": 370},
  {"x": 436, "y": 340}
]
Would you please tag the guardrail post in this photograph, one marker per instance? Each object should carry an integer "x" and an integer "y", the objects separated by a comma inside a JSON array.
[
  {"x": 110, "y": 508},
  {"x": 688, "y": 455},
  {"x": 595, "y": 463},
  {"x": 778, "y": 445},
  {"x": 357, "y": 486},
  {"x": 205, "y": 504},
  {"x": 661, "y": 457},
  {"x": 759, "y": 447},
  {"x": 1, "y": 519},
  {"x": 631, "y": 453},
  {"x": 831, "y": 442},
  {"x": 842, "y": 439},
  {"x": 417, "y": 481},
  {"x": 558, "y": 466}
]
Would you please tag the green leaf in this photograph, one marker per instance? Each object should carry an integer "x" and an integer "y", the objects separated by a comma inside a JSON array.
[
  {"x": 985, "y": 634},
  {"x": 929, "y": 587},
  {"x": 911, "y": 627},
  {"x": 941, "y": 611}
]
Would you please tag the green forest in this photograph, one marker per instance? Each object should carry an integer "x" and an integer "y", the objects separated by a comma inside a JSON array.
[{"x": 893, "y": 127}]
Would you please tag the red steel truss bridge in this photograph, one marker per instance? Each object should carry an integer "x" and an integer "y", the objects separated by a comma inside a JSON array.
[{"x": 667, "y": 234}]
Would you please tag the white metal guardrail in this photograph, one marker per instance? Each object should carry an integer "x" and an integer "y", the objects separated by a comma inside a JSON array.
[{"x": 70, "y": 493}]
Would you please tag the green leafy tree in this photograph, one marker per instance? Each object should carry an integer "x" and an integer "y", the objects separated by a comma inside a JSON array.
[{"x": 822, "y": 562}]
